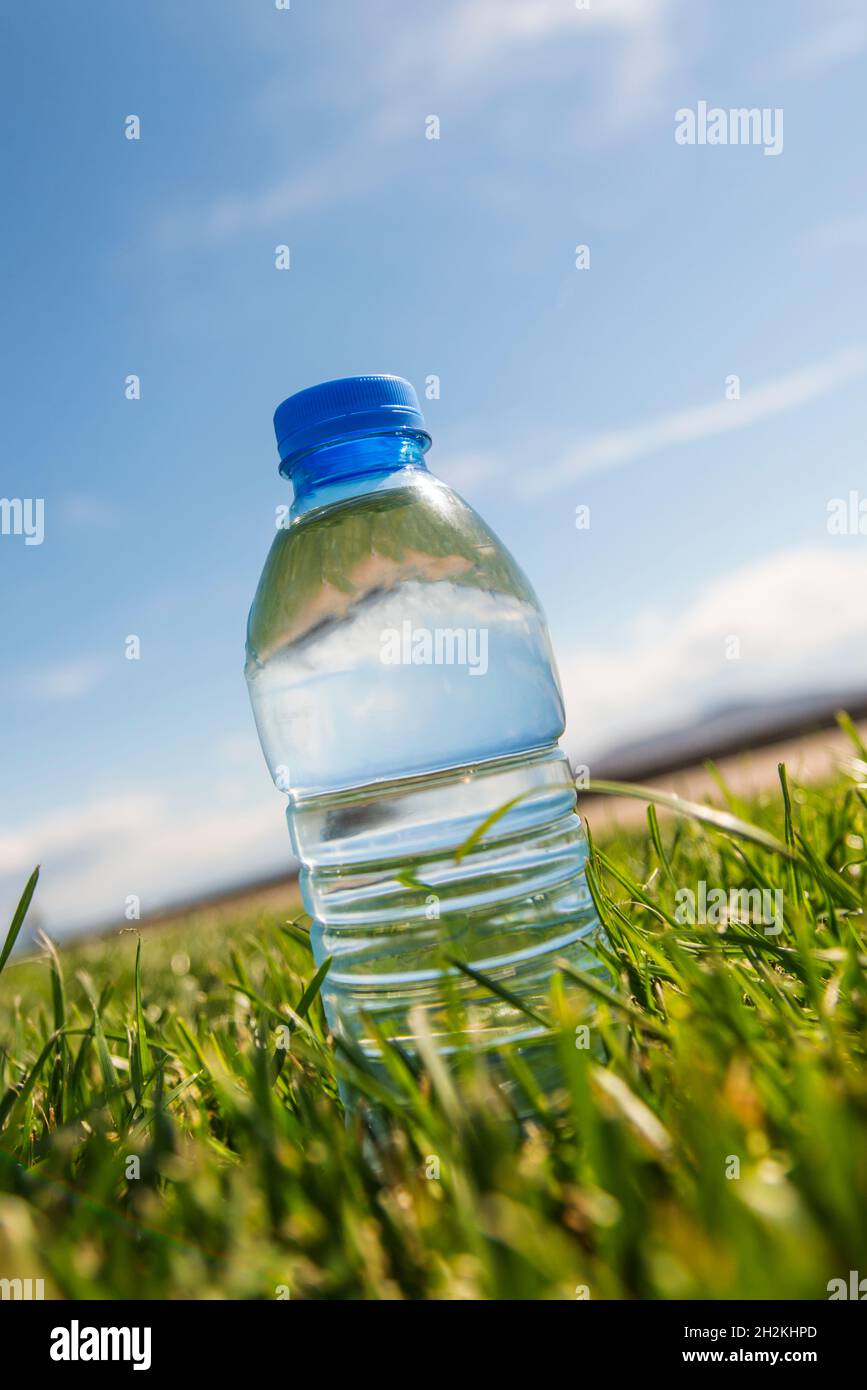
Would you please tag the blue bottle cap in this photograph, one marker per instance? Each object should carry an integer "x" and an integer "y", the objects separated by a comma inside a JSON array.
[{"x": 350, "y": 407}]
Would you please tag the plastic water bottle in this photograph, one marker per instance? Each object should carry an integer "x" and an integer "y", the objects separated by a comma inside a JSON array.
[{"x": 404, "y": 690}]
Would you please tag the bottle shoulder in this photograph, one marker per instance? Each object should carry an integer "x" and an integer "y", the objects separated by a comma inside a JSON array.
[{"x": 331, "y": 558}]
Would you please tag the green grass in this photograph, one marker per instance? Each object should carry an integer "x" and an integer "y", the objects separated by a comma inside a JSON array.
[{"x": 714, "y": 1050}]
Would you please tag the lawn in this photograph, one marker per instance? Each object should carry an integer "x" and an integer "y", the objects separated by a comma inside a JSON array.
[{"x": 170, "y": 1125}]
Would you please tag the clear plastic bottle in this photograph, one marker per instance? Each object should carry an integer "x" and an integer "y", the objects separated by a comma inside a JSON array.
[{"x": 403, "y": 686}]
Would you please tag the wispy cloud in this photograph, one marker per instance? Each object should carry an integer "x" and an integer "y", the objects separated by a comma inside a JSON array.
[
  {"x": 471, "y": 38},
  {"x": 230, "y": 214},
  {"x": 465, "y": 46},
  {"x": 836, "y": 234},
  {"x": 88, "y": 512},
  {"x": 67, "y": 680},
  {"x": 799, "y": 617},
  {"x": 615, "y": 448},
  {"x": 839, "y": 35}
]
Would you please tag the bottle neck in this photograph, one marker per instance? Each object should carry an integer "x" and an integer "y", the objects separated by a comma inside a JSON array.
[{"x": 349, "y": 468}]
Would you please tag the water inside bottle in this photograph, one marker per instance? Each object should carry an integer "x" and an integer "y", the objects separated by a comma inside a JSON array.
[{"x": 402, "y": 681}]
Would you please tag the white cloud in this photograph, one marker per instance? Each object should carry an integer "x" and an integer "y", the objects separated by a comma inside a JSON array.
[
  {"x": 615, "y": 448},
  {"x": 837, "y": 234},
  {"x": 469, "y": 50},
  {"x": 241, "y": 750},
  {"x": 463, "y": 48},
  {"x": 232, "y": 213},
  {"x": 72, "y": 831},
  {"x": 89, "y": 512},
  {"x": 801, "y": 622},
  {"x": 840, "y": 35},
  {"x": 67, "y": 680},
  {"x": 95, "y": 853},
  {"x": 470, "y": 470},
  {"x": 473, "y": 35}
]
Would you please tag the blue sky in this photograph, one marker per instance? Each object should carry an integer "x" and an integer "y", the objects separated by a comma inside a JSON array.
[{"x": 560, "y": 387}]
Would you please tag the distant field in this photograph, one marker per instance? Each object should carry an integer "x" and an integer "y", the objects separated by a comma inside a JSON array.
[{"x": 170, "y": 1126}]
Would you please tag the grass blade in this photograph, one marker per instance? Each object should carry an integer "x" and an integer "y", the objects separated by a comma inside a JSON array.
[
  {"x": 141, "y": 1041},
  {"x": 18, "y": 918},
  {"x": 720, "y": 820}
]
